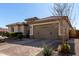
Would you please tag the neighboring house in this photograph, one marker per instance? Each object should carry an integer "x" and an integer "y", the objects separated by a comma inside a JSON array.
[
  {"x": 52, "y": 27},
  {"x": 3, "y": 30}
]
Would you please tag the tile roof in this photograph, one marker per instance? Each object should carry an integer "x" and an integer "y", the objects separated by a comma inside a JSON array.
[
  {"x": 32, "y": 18},
  {"x": 17, "y": 23},
  {"x": 43, "y": 19},
  {"x": 54, "y": 18}
]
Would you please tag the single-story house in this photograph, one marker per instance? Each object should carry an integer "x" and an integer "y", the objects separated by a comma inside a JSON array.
[
  {"x": 3, "y": 30},
  {"x": 52, "y": 27}
]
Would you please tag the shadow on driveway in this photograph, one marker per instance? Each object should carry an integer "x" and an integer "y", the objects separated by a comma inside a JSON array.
[{"x": 35, "y": 42}]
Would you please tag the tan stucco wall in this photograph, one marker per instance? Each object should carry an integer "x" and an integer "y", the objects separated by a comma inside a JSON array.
[
  {"x": 64, "y": 29},
  {"x": 9, "y": 29},
  {"x": 17, "y": 29}
]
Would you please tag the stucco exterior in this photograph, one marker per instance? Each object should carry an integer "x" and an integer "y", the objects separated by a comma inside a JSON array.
[
  {"x": 64, "y": 29},
  {"x": 18, "y": 28},
  {"x": 47, "y": 28}
]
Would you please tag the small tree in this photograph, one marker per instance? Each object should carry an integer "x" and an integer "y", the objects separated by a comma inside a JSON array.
[{"x": 62, "y": 9}]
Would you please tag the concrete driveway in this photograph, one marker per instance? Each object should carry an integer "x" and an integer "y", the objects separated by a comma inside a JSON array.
[{"x": 27, "y": 47}]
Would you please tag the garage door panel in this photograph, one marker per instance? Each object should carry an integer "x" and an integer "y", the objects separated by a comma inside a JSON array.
[
  {"x": 43, "y": 33},
  {"x": 47, "y": 31}
]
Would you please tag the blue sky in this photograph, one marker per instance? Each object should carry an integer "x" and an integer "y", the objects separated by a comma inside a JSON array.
[{"x": 11, "y": 13}]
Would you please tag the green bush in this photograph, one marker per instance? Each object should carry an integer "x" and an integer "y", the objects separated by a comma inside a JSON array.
[
  {"x": 6, "y": 34},
  {"x": 65, "y": 48},
  {"x": 2, "y": 33},
  {"x": 20, "y": 36},
  {"x": 47, "y": 51},
  {"x": 15, "y": 34}
]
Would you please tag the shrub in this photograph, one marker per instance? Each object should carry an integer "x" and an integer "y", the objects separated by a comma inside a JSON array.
[
  {"x": 47, "y": 51},
  {"x": 20, "y": 36},
  {"x": 65, "y": 48},
  {"x": 13, "y": 34},
  {"x": 0, "y": 33},
  {"x": 6, "y": 34}
]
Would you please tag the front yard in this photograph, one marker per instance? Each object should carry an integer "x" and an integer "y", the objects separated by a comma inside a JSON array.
[
  {"x": 32, "y": 47},
  {"x": 27, "y": 47}
]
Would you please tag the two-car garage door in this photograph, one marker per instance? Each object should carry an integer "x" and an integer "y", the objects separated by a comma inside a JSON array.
[{"x": 45, "y": 31}]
